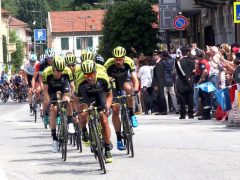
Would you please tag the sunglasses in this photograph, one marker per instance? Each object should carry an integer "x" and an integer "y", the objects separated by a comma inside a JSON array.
[
  {"x": 71, "y": 65},
  {"x": 119, "y": 59},
  {"x": 58, "y": 70},
  {"x": 89, "y": 74}
]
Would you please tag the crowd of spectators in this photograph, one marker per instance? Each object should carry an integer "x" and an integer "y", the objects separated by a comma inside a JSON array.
[{"x": 168, "y": 79}]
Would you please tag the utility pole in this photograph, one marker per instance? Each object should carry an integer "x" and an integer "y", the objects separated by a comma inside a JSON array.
[
  {"x": 41, "y": 26},
  {"x": 85, "y": 30},
  {"x": 71, "y": 21}
]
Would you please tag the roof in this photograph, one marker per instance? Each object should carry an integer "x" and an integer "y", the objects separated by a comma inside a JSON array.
[
  {"x": 79, "y": 21},
  {"x": 4, "y": 11},
  {"x": 69, "y": 21},
  {"x": 16, "y": 22}
]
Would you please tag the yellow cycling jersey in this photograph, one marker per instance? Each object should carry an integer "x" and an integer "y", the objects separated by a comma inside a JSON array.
[
  {"x": 127, "y": 65},
  {"x": 102, "y": 79},
  {"x": 78, "y": 71},
  {"x": 49, "y": 79}
]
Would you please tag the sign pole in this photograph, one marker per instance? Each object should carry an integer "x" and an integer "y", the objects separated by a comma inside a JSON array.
[
  {"x": 34, "y": 45},
  {"x": 180, "y": 38},
  {"x": 180, "y": 23}
]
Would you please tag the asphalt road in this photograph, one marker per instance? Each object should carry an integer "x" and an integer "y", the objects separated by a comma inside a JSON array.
[{"x": 166, "y": 148}]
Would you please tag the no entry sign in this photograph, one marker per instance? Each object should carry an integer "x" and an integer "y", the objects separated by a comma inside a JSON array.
[{"x": 180, "y": 22}]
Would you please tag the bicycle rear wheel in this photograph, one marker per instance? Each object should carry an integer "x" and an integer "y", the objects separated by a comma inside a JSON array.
[
  {"x": 64, "y": 137},
  {"x": 78, "y": 137},
  {"x": 34, "y": 110},
  {"x": 35, "y": 114}
]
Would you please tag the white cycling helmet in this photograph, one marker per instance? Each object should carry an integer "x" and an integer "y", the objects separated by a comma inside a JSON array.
[{"x": 33, "y": 58}]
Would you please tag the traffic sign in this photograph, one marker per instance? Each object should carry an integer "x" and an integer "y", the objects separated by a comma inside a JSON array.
[
  {"x": 40, "y": 34},
  {"x": 180, "y": 22},
  {"x": 236, "y": 12}
]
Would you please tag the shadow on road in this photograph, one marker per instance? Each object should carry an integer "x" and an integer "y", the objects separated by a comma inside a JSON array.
[
  {"x": 31, "y": 137},
  {"x": 74, "y": 171},
  {"x": 226, "y": 129}
]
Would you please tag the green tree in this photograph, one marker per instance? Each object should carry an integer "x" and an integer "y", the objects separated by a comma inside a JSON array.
[
  {"x": 4, "y": 42},
  {"x": 56, "y": 5},
  {"x": 18, "y": 55},
  {"x": 10, "y": 5},
  {"x": 26, "y": 14},
  {"x": 129, "y": 24}
]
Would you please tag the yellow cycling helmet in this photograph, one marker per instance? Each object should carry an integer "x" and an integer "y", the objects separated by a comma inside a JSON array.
[
  {"x": 70, "y": 59},
  {"x": 87, "y": 56},
  {"x": 58, "y": 63},
  {"x": 119, "y": 52},
  {"x": 88, "y": 66}
]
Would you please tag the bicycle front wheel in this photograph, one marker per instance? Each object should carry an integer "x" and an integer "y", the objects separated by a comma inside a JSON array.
[
  {"x": 128, "y": 133},
  {"x": 99, "y": 149},
  {"x": 64, "y": 137}
]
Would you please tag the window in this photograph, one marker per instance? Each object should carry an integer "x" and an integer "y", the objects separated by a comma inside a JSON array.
[
  {"x": 89, "y": 42},
  {"x": 79, "y": 43},
  {"x": 64, "y": 44},
  {"x": 84, "y": 42}
]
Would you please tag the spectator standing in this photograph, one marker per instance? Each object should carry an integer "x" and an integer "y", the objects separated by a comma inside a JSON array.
[
  {"x": 214, "y": 62},
  {"x": 204, "y": 68},
  {"x": 185, "y": 82},
  {"x": 145, "y": 76},
  {"x": 168, "y": 65},
  {"x": 158, "y": 85}
]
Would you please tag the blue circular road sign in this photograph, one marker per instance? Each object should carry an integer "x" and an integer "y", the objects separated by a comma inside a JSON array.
[{"x": 180, "y": 22}]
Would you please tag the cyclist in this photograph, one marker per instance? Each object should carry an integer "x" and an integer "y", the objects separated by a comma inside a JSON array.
[
  {"x": 4, "y": 77},
  {"x": 57, "y": 78},
  {"x": 88, "y": 55},
  {"x": 38, "y": 71},
  {"x": 4, "y": 82},
  {"x": 99, "y": 59},
  {"x": 17, "y": 82},
  {"x": 94, "y": 85},
  {"x": 71, "y": 61},
  {"x": 42, "y": 65},
  {"x": 28, "y": 75},
  {"x": 122, "y": 69}
]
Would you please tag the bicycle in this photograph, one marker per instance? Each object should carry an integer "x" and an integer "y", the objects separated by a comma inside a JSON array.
[
  {"x": 36, "y": 104},
  {"x": 34, "y": 107},
  {"x": 4, "y": 95},
  {"x": 127, "y": 129},
  {"x": 62, "y": 130},
  {"x": 95, "y": 135},
  {"x": 76, "y": 138}
]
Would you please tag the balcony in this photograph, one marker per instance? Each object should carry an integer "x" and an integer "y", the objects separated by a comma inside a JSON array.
[{"x": 209, "y": 3}]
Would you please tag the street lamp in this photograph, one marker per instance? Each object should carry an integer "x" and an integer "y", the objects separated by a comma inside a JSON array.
[
  {"x": 34, "y": 22},
  {"x": 71, "y": 21},
  {"x": 85, "y": 24}
]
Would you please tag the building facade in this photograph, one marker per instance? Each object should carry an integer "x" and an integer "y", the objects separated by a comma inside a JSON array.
[
  {"x": 210, "y": 22},
  {"x": 74, "y": 31},
  {"x": 9, "y": 23}
]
